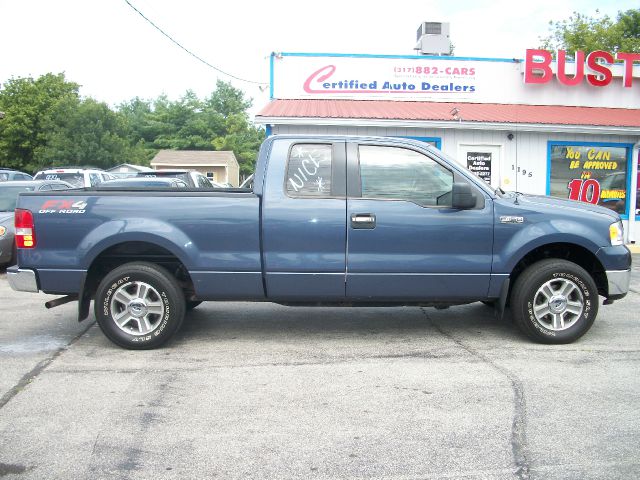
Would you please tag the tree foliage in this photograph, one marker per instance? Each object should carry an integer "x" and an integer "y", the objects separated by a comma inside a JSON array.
[
  {"x": 47, "y": 123},
  {"x": 28, "y": 105},
  {"x": 586, "y": 33},
  {"x": 87, "y": 132}
]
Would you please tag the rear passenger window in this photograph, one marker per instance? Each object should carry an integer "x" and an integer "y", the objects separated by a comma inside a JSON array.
[{"x": 309, "y": 171}]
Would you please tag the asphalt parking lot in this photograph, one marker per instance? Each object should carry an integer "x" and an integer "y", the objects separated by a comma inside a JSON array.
[{"x": 265, "y": 391}]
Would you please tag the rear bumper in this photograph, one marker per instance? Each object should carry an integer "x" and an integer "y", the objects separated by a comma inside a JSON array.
[
  {"x": 22, "y": 280},
  {"x": 618, "y": 281}
]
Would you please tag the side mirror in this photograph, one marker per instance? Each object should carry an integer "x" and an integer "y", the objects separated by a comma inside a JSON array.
[{"x": 462, "y": 196}]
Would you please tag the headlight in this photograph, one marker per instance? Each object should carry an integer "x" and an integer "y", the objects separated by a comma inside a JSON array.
[
  {"x": 2, "y": 230},
  {"x": 616, "y": 233}
]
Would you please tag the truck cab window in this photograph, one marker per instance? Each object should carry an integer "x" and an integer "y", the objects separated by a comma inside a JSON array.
[
  {"x": 393, "y": 173},
  {"x": 309, "y": 171}
]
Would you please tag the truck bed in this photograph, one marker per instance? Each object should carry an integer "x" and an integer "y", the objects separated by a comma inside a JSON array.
[{"x": 217, "y": 231}]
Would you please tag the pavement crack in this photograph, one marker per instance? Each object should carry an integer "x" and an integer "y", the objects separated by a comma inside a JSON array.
[
  {"x": 519, "y": 446},
  {"x": 32, "y": 374}
]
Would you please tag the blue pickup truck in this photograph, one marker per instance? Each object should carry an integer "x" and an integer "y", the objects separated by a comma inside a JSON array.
[{"x": 335, "y": 220}]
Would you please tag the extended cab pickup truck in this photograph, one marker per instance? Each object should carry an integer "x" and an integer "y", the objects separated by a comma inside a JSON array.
[{"x": 329, "y": 221}]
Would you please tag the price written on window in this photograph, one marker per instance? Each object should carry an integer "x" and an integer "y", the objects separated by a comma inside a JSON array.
[{"x": 584, "y": 190}]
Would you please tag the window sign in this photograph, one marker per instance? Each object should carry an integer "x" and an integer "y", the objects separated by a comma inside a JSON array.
[
  {"x": 590, "y": 173},
  {"x": 480, "y": 164},
  {"x": 309, "y": 171}
]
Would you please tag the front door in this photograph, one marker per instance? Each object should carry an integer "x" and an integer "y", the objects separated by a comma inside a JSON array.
[{"x": 404, "y": 240}]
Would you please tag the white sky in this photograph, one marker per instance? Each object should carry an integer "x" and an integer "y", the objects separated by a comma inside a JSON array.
[{"x": 115, "y": 55}]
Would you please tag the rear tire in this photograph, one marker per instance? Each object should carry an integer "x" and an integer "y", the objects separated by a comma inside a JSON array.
[
  {"x": 554, "y": 301},
  {"x": 139, "y": 306}
]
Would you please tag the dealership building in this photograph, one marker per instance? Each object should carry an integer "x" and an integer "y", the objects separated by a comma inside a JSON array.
[{"x": 563, "y": 128}]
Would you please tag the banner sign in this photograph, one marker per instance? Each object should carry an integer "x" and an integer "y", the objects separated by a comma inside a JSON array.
[{"x": 439, "y": 79}]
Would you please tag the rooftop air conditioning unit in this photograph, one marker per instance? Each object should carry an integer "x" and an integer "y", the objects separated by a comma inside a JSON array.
[{"x": 433, "y": 39}]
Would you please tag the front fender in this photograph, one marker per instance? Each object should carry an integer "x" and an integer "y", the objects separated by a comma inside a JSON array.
[{"x": 514, "y": 241}]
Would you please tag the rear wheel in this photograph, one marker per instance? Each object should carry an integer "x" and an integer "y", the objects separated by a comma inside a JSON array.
[
  {"x": 554, "y": 301},
  {"x": 139, "y": 305}
]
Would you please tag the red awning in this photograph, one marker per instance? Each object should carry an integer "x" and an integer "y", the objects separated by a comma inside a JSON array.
[{"x": 454, "y": 112}]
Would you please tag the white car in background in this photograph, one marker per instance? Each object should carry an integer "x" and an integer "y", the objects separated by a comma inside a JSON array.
[
  {"x": 190, "y": 177},
  {"x": 78, "y": 177}
]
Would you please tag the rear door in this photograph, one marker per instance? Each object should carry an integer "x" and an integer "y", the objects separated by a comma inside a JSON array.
[
  {"x": 405, "y": 241},
  {"x": 304, "y": 221}
]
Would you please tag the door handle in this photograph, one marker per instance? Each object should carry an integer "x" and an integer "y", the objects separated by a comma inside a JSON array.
[{"x": 365, "y": 221}]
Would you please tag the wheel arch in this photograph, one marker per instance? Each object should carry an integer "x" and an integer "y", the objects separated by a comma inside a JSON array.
[
  {"x": 128, "y": 251},
  {"x": 564, "y": 251}
]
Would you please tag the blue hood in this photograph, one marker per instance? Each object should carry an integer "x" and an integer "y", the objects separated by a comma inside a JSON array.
[{"x": 579, "y": 207}]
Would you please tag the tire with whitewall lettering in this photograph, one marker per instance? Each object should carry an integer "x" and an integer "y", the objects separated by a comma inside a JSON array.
[
  {"x": 139, "y": 306},
  {"x": 554, "y": 301}
]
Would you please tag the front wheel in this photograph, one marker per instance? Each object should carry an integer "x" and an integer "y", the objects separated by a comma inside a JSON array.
[
  {"x": 139, "y": 306},
  {"x": 554, "y": 301}
]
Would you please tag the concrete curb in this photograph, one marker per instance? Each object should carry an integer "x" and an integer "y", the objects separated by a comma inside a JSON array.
[{"x": 633, "y": 248}]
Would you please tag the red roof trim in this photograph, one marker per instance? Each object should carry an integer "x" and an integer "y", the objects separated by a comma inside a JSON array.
[{"x": 441, "y": 111}]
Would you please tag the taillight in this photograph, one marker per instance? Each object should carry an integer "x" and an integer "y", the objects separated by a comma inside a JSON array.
[{"x": 25, "y": 234}]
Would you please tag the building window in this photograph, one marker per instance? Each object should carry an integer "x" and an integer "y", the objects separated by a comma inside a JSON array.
[
  {"x": 309, "y": 171},
  {"x": 433, "y": 141},
  {"x": 590, "y": 172},
  {"x": 638, "y": 188},
  {"x": 393, "y": 173}
]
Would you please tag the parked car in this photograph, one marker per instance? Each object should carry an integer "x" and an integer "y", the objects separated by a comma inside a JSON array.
[
  {"x": 8, "y": 196},
  {"x": 142, "y": 182},
  {"x": 617, "y": 181},
  {"x": 8, "y": 175},
  {"x": 78, "y": 177},
  {"x": 190, "y": 177},
  {"x": 331, "y": 220}
]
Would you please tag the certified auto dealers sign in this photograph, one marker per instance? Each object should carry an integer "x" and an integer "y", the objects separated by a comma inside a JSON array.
[
  {"x": 404, "y": 79},
  {"x": 429, "y": 78},
  {"x": 373, "y": 78}
]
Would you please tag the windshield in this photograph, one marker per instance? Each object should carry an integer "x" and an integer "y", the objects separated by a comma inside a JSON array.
[
  {"x": 75, "y": 179},
  {"x": 4, "y": 176},
  {"x": 9, "y": 197}
]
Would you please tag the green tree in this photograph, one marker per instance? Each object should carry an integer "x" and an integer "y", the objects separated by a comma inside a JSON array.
[
  {"x": 219, "y": 122},
  {"x": 586, "y": 33},
  {"x": 243, "y": 140},
  {"x": 86, "y": 132},
  {"x": 28, "y": 104}
]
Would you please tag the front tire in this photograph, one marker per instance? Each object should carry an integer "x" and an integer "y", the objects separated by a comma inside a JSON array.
[
  {"x": 554, "y": 301},
  {"x": 139, "y": 306}
]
